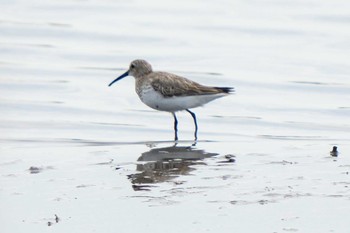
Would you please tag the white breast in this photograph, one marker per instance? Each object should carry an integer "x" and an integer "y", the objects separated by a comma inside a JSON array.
[{"x": 157, "y": 101}]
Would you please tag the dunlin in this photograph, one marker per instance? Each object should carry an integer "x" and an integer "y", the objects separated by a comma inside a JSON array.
[{"x": 171, "y": 93}]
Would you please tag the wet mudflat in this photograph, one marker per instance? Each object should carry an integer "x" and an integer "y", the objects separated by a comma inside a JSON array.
[{"x": 79, "y": 156}]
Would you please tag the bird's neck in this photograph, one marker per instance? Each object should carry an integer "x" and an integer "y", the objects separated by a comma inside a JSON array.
[{"x": 140, "y": 84}]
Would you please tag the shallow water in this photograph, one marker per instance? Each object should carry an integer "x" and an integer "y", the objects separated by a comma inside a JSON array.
[{"x": 79, "y": 156}]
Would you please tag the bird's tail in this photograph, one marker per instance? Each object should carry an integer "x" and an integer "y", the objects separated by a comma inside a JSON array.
[{"x": 227, "y": 90}]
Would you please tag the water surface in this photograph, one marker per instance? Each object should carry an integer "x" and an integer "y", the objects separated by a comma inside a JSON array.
[{"x": 79, "y": 156}]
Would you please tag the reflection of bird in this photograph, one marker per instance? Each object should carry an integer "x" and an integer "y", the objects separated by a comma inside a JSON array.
[
  {"x": 334, "y": 151},
  {"x": 175, "y": 153},
  {"x": 163, "y": 164},
  {"x": 171, "y": 93}
]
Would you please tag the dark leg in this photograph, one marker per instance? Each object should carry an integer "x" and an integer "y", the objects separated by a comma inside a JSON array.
[
  {"x": 175, "y": 126},
  {"x": 195, "y": 123}
]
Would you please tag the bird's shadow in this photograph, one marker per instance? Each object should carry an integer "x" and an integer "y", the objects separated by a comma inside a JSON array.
[{"x": 164, "y": 164}]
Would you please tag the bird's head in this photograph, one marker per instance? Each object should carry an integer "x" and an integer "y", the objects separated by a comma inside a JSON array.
[{"x": 137, "y": 69}]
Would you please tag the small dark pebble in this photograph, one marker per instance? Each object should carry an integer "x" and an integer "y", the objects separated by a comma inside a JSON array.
[
  {"x": 233, "y": 202},
  {"x": 57, "y": 219},
  {"x": 230, "y": 158},
  {"x": 35, "y": 170},
  {"x": 141, "y": 187},
  {"x": 334, "y": 152}
]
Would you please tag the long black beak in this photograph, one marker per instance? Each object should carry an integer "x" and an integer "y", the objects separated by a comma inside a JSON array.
[{"x": 119, "y": 78}]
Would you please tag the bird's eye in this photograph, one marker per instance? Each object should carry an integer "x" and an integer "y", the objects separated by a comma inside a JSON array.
[{"x": 132, "y": 66}]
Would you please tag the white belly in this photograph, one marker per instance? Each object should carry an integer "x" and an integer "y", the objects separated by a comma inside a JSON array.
[{"x": 157, "y": 101}]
